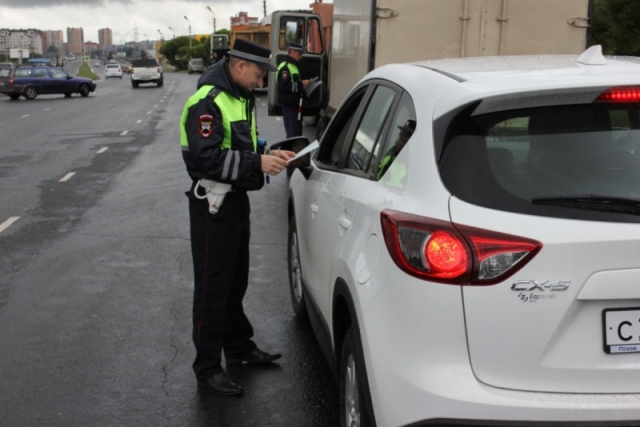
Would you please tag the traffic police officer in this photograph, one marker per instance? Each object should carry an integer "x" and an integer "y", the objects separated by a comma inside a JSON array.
[
  {"x": 406, "y": 132},
  {"x": 219, "y": 144},
  {"x": 290, "y": 90}
]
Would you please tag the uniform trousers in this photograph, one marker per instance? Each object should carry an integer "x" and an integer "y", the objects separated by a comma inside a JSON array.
[
  {"x": 220, "y": 251},
  {"x": 292, "y": 126}
]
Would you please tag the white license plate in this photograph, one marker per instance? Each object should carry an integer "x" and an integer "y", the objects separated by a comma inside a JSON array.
[{"x": 621, "y": 330}]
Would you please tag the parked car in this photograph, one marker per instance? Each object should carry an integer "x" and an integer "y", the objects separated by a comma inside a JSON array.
[
  {"x": 195, "y": 65},
  {"x": 146, "y": 71},
  {"x": 7, "y": 65},
  {"x": 113, "y": 70},
  {"x": 31, "y": 81},
  {"x": 465, "y": 242}
]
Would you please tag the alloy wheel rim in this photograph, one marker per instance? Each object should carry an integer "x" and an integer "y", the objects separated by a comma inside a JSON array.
[{"x": 351, "y": 397}]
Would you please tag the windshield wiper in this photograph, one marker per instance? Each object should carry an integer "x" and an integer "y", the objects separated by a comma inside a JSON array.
[{"x": 598, "y": 202}]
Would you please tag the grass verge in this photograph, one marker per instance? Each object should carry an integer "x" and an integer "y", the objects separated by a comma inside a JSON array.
[{"x": 85, "y": 71}]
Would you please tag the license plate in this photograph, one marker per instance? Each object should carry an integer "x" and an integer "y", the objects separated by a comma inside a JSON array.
[
  {"x": 1, "y": 83},
  {"x": 621, "y": 330}
]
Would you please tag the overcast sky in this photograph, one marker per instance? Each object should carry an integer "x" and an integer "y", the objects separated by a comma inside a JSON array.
[{"x": 123, "y": 15}]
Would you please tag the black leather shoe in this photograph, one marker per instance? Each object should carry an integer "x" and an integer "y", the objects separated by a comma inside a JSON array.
[
  {"x": 257, "y": 356},
  {"x": 221, "y": 384}
]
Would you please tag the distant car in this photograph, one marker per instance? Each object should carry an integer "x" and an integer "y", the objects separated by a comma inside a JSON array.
[
  {"x": 466, "y": 243},
  {"x": 113, "y": 70},
  {"x": 30, "y": 82},
  {"x": 146, "y": 70},
  {"x": 196, "y": 65},
  {"x": 7, "y": 65}
]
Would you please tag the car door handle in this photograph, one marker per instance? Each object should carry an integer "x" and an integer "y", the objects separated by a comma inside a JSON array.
[
  {"x": 314, "y": 208},
  {"x": 344, "y": 223}
]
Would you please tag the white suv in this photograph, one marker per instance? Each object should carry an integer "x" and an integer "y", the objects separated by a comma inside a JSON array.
[{"x": 488, "y": 271}]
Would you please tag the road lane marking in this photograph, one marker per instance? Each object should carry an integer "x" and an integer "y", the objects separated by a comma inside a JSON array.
[
  {"x": 278, "y": 118},
  {"x": 47, "y": 109},
  {"x": 161, "y": 100},
  {"x": 148, "y": 112},
  {"x": 139, "y": 121},
  {"x": 8, "y": 222},
  {"x": 102, "y": 150},
  {"x": 124, "y": 133},
  {"x": 26, "y": 115},
  {"x": 67, "y": 177},
  {"x": 155, "y": 106},
  {"x": 263, "y": 104}
]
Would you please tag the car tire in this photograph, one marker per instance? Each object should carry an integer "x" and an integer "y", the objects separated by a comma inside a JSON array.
[
  {"x": 134, "y": 84},
  {"x": 14, "y": 97},
  {"x": 354, "y": 410},
  {"x": 189, "y": 72},
  {"x": 67, "y": 95},
  {"x": 120, "y": 77},
  {"x": 160, "y": 83},
  {"x": 30, "y": 92},
  {"x": 296, "y": 289},
  {"x": 84, "y": 90}
]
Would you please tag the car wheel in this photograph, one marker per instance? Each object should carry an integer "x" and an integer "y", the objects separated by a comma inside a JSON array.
[
  {"x": 134, "y": 84},
  {"x": 30, "y": 92},
  {"x": 160, "y": 83},
  {"x": 14, "y": 97},
  {"x": 84, "y": 90},
  {"x": 295, "y": 273},
  {"x": 353, "y": 408},
  {"x": 189, "y": 72},
  {"x": 120, "y": 77},
  {"x": 67, "y": 95}
]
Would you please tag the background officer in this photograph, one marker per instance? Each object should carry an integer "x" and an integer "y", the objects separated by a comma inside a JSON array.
[
  {"x": 219, "y": 143},
  {"x": 290, "y": 90},
  {"x": 405, "y": 133}
]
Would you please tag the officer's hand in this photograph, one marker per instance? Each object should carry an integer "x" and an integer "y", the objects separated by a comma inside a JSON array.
[
  {"x": 272, "y": 164},
  {"x": 306, "y": 83},
  {"x": 283, "y": 154}
]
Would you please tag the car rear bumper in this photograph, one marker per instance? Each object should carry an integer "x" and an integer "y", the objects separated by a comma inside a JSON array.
[
  {"x": 419, "y": 371},
  {"x": 11, "y": 90}
]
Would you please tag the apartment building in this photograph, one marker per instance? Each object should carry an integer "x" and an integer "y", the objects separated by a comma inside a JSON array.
[
  {"x": 75, "y": 41},
  {"x": 105, "y": 38}
]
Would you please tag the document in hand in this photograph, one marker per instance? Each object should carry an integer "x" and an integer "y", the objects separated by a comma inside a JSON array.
[{"x": 314, "y": 145}]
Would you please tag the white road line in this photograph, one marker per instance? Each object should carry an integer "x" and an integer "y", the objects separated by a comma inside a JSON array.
[
  {"x": 124, "y": 133},
  {"x": 148, "y": 112},
  {"x": 263, "y": 104},
  {"x": 155, "y": 106},
  {"x": 102, "y": 150},
  {"x": 162, "y": 100},
  {"x": 26, "y": 115},
  {"x": 278, "y": 118},
  {"x": 8, "y": 222},
  {"x": 67, "y": 177},
  {"x": 139, "y": 121},
  {"x": 47, "y": 109}
]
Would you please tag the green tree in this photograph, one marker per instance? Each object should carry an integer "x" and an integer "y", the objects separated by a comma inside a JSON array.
[
  {"x": 616, "y": 26},
  {"x": 223, "y": 31},
  {"x": 52, "y": 49},
  {"x": 180, "y": 47}
]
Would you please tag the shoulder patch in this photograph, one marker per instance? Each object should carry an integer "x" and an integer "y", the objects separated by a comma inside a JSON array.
[
  {"x": 285, "y": 74},
  {"x": 205, "y": 125}
]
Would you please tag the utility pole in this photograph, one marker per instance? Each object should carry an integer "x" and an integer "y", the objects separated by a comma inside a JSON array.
[
  {"x": 264, "y": 6},
  {"x": 185, "y": 17}
]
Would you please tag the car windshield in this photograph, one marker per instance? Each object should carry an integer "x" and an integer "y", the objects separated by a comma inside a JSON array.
[{"x": 581, "y": 157}]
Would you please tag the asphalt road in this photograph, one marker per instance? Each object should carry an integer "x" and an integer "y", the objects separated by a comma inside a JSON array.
[{"x": 96, "y": 274}]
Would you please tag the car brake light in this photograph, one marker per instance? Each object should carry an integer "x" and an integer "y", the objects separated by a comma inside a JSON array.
[
  {"x": 11, "y": 81},
  {"x": 620, "y": 94},
  {"x": 443, "y": 252},
  {"x": 158, "y": 70}
]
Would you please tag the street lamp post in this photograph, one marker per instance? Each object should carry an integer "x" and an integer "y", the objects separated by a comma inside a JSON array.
[
  {"x": 174, "y": 33},
  {"x": 214, "y": 28},
  {"x": 185, "y": 17},
  {"x": 161, "y": 36}
]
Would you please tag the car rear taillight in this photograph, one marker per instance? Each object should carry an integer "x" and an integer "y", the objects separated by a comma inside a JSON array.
[
  {"x": 620, "y": 94},
  {"x": 158, "y": 70},
  {"x": 10, "y": 81},
  {"x": 443, "y": 252}
]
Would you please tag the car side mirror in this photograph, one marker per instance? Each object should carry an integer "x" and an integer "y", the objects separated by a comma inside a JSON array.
[
  {"x": 69, "y": 77},
  {"x": 295, "y": 144}
]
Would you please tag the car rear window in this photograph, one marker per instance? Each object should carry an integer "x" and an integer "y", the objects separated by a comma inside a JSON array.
[
  {"x": 113, "y": 66},
  {"x": 579, "y": 161},
  {"x": 144, "y": 63},
  {"x": 4, "y": 72}
]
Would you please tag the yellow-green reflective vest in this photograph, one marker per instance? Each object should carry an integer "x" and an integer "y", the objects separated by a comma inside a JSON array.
[
  {"x": 232, "y": 109},
  {"x": 293, "y": 69}
]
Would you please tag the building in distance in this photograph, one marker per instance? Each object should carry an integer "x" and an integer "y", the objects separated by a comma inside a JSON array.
[{"x": 75, "y": 41}]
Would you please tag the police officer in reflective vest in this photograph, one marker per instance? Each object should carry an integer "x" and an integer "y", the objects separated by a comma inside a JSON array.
[
  {"x": 406, "y": 132},
  {"x": 219, "y": 147},
  {"x": 290, "y": 90}
]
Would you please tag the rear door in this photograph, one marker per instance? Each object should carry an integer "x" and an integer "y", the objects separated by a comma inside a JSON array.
[
  {"x": 306, "y": 29},
  {"x": 568, "y": 177}
]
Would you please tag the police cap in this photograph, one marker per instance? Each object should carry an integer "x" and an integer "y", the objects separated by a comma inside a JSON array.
[
  {"x": 409, "y": 127},
  {"x": 296, "y": 46},
  {"x": 253, "y": 52}
]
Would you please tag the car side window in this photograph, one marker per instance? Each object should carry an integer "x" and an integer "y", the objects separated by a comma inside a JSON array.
[
  {"x": 335, "y": 137},
  {"x": 402, "y": 127},
  {"x": 370, "y": 129},
  {"x": 58, "y": 74},
  {"x": 41, "y": 73},
  {"x": 23, "y": 72}
]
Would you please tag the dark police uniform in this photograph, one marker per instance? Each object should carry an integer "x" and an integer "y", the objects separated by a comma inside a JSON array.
[
  {"x": 290, "y": 90},
  {"x": 219, "y": 143}
]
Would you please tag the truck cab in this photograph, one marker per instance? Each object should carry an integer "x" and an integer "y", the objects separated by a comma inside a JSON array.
[{"x": 305, "y": 28}]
